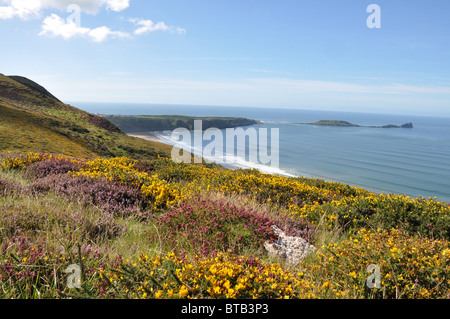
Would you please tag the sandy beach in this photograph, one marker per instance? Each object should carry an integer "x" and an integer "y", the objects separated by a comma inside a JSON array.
[
  {"x": 148, "y": 136},
  {"x": 235, "y": 165}
]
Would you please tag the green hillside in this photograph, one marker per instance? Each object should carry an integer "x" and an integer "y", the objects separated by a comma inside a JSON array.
[
  {"x": 32, "y": 85},
  {"x": 32, "y": 119},
  {"x": 142, "y": 123}
]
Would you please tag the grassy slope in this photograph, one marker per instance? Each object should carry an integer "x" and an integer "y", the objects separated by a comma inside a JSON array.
[
  {"x": 33, "y": 119},
  {"x": 24, "y": 130}
]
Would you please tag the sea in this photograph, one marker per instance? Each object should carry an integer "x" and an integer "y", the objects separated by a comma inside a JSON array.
[{"x": 414, "y": 162}]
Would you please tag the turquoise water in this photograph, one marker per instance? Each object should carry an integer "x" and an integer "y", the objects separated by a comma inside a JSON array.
[{"x": 414, "y": 161}]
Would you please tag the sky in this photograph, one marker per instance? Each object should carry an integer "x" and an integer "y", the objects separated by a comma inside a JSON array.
[{"x": 317, "y": 55}]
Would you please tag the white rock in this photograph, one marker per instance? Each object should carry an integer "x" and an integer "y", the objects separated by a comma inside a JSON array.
[{"x": 291, "y": 248}]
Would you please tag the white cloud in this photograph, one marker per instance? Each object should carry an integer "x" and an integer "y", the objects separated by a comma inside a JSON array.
[
  {"x": 180, "y": 30},
  {"x": 117, "y": 5},
  {"x": 101, "y": 34},
  {"x": 56, "y": 26},
  {"x": 26, "y": 9},
  {"x": 6, "y": 13},
  {"x": 149, "y": 26}
]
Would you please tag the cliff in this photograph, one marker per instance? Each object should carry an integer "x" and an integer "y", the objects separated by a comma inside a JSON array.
[{"x": 140, "y": 123}]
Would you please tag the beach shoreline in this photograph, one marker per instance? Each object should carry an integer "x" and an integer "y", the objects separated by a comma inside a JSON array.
[
  {"x": 151, "y": 136},
  {"x": 147, "y": 136}
]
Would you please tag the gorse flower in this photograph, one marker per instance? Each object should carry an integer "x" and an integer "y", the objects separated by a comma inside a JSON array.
[
  {"x": 222, "y": 276},
  {"x": 201, "y": 230},
  {"x": 122, "y": 170},
  {"x": 406, "y": 269}
]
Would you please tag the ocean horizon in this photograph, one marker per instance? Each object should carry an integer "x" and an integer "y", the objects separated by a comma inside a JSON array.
[{"x": 413, "y": 161}]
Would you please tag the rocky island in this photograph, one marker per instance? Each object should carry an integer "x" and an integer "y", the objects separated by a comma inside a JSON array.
[
  {"x": 407, "y": 125},
  {"x": 333, "y": 123},
  {"x": 348, "y": 124}
]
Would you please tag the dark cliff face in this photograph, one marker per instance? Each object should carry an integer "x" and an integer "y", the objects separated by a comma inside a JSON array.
[
  {"x": 132, "y": 124},
  {"x": 407, "y": 125}
]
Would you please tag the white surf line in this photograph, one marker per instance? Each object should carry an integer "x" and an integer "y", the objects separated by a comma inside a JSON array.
[{"x": 232, "y": 162}]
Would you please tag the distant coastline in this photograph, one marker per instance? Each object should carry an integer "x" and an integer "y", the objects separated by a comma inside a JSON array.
[{"x": 143, "y": 123}]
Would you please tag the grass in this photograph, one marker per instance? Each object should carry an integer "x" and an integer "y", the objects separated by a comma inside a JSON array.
[
  {"x": 31, "y": 119},
  {"x": 32, "y": 131},
  {"x": 21, "y": 130},
  {"x": 205, "y": 243}
]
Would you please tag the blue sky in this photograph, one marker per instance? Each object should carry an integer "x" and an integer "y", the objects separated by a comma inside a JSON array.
[{"x": 285, "y": 53}]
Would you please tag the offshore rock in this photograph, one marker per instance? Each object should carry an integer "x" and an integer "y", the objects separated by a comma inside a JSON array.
[
  {"x": 290, "y": 248},
  {"x": 407, "y": 125}
]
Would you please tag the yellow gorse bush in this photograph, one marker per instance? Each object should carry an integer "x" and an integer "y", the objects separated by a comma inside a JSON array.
[
  {"x": 119, "y": 168},
  {"x": 277, "y": 189},
  {"x": 160, "y": 193},
  {"x": 122, "y": 169},
  {"x": 23, "y": 160},
  {"x": 417, "y": 215},
  {"x": 410, "y": 266},
  {"x": 222, "y": 276}
]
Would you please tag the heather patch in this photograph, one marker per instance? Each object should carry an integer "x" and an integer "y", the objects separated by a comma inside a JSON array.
[
  {"x": 53, "y": 167},
  {"x": 7, "y": 187},
  {"x": 294, "y": 226},
  {"x": 121, "y": 200},
  {"x": 20, "y": 220},
  {"x": 205, "y": 227},
  {"x": 36, "y": 269},
  {"x": 144, "y": 166}
]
